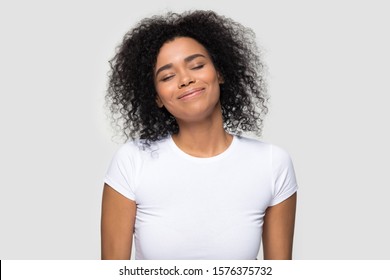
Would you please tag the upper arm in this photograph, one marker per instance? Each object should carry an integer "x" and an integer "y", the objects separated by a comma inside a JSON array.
[
  {"x": 117, "y": 224},
  {"x": 278, "y": 229}
]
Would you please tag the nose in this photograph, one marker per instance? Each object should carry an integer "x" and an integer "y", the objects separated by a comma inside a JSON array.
[{"x": 185, "y": 80}]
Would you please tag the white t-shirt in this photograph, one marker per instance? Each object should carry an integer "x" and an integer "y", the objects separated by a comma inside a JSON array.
[{"x": 201, "y": 208}]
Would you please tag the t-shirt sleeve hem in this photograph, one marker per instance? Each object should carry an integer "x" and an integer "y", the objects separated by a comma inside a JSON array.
[
  {"x": 119, "y": 188},
  {"x": 283, "y": 197}
]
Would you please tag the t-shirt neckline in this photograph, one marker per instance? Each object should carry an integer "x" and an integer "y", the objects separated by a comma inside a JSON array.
[{"x": 218, "y": 157}]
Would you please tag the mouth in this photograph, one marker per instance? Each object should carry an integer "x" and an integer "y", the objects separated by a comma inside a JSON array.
[{"x": 191, "y": 93}]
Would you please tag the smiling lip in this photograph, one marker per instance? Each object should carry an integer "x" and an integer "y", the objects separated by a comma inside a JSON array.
[{"x": 191, "y": 93}]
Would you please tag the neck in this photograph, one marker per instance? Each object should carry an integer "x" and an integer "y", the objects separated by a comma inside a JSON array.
[{"x": 203, "y": 139}]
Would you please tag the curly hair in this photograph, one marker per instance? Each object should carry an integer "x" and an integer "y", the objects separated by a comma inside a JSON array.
[{"x": 131, "y": 95}]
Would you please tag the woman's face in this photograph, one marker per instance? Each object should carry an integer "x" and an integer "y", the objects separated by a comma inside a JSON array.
[{"x": 186, "y": 80}]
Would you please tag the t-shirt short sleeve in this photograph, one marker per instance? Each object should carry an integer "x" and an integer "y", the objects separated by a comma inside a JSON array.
[
  {"x": 119, "y": 173},
  {"x": 283, "y": 176}
]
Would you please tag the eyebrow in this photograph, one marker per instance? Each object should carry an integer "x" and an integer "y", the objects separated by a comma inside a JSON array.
[{"x": 187, "y": 59}]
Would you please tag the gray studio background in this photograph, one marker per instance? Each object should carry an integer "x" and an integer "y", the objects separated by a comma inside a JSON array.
[{"x": 329, "y": 84}]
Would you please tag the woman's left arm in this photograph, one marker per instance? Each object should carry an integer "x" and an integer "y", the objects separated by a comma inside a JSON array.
[{"x": 278, "y": 230}]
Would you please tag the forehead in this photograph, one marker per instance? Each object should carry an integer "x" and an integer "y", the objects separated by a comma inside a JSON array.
[{"x": 178, "y": 49}]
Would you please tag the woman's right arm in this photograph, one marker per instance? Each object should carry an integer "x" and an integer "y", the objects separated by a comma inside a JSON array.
[{"x": 117, "y": 225}]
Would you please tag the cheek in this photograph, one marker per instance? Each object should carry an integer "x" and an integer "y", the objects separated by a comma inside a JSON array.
[
  {"x": 210, "y": 77},
  {"x": 164, "y": 91}
]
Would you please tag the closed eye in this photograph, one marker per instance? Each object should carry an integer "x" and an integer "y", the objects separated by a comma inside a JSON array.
[
  {"x": 198, "y": 67},
  {"x": 167, "y": 78}
]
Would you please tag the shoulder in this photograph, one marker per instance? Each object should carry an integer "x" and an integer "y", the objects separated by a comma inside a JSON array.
[
  {"x": 255, "y": 146},
  {"x": 246, "y": 142},
  {"x": 138, "y": 149},
  {"x": 128, "y": 150},
  {"x": 129, "y": 158}
]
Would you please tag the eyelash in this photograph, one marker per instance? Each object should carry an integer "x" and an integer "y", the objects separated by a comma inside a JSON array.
[
  {"x": 197, "y": 67},
  {"x": 166, "y": 78},
  {"x": 193, "y": 68}
]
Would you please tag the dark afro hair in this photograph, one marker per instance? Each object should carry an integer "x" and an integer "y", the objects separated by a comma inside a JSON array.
[{"x": 131, "y": 95}]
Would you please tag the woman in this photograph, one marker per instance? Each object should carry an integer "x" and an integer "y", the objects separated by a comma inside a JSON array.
[{"x": 185, "y": 87}]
